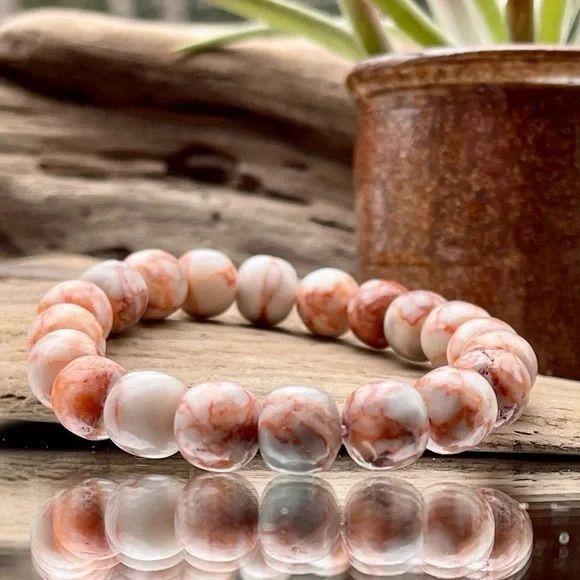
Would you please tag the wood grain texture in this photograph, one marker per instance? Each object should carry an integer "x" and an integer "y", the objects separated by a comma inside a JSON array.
[
  {"x": 229, "y": 349},
  {"x": 246, "y": 149}
]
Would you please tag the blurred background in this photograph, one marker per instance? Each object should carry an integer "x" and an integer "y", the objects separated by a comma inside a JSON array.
[{"x": 172, "y": 10}]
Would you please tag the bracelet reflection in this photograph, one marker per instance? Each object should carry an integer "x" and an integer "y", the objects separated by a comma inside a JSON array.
[{"x": 216, "y": 526}]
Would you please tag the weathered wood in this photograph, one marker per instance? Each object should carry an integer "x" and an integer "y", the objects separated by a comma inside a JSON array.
[
  {"x": 112, "y": 61},
  {"x": 229, "y": 349},
  {"x": 105, "y": 182}
]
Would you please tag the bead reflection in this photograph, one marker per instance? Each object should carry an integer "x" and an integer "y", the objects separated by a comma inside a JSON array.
[{"x": 215, "y": 527}]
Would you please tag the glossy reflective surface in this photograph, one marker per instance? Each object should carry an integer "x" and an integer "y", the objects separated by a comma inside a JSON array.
[{"x": 156, "y": 526}]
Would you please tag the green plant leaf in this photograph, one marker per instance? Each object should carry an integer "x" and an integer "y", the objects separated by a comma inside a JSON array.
[
  {"x": 234, "y": 34},
  {"x": 414, "y": 22},
  {"x": 554, "y": 20},
  {"x": 461, "y": 21},
  {"x": 293, "y": 18},
  {"x": 520, "y": 20},
  {"x": 491, "y": 13},
  {"x": 366, "y": 24}
]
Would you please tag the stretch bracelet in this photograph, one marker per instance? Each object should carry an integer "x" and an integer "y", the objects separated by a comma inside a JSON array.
[{"x": 483, "y": 374}]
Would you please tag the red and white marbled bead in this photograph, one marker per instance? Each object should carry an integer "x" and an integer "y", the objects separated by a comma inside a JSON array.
[
  {"x": 440, "y": 325},
  {"x": 50, "y": 355},
  {"x": 66, "y": 316},
  {"x": 404, "y": 320},
  {"x": 139, "y": 412},
  {"x": 140, "y": 521},
  {"x": 322, "y": 300},
  {"x": 79, "y": 392},
  {"x": 125, "y": 288},
  {"x": 383, "y": 524},
  {"x": 79, "y": 519},
  {"x": 458, "y": 531},
  {"x": 299, "y": 430},
  {"x": 216, "y": 426},
  {"x": 299, "y": 522},
  {"x": 266, "y": 289},
  {"x": 509, "y": 341},
  {"x": 166, "y": 284},
  {"x": 211, "y": 281},
  {"x": 470, "y": 329},
  {"x": 49, "y": 556},
  {"x": 386, "y": 425},
  {"x": 514, "y": 535},
  {"x": 462, "y": 408},
  {"x": 508, "y": 376},
  {"x": 216, "y": 520},
  {"x": 84, "y": 294},
  {"x": 366, "y": 310}
]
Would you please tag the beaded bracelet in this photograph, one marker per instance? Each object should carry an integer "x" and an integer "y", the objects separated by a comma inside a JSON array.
[
  {"x": 298, "y": 429},
  {"x": 214, "y": 526}
]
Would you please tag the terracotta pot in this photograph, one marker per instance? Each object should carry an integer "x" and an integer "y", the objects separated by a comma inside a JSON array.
[{"x": 468, "y": 183}]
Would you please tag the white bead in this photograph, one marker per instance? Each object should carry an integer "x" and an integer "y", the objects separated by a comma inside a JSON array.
[
  {"x": 322, "y": 300},
  {"x": 67, "y": 316},
  {"x": 404, "y": 320},
  {"x": 84, "y": 294},
  {"x": 140, "y": 518},
  {"x": 266, "y": 289},
  {"x": 440, "y": 325},
  {"x": 165, "y": 281},
  {"x": 50, "y": 355},
  {"x": 470, "y": 329},
  {"x": 125, "y": 288},
  {"x": 139, "y": 413},
  {"x": 211, "y": 279},
  {"x": 462, "y": 408},
  {"x": 509, "y": 341},
  {"x": 458, "y": 534}
]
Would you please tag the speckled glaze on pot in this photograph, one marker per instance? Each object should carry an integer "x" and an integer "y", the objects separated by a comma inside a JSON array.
[{"x": 468, "y": 184}]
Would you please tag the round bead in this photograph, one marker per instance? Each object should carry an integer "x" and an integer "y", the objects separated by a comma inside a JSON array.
[
  {"x": 322, "y": 300},
  {"x": 299, "y": 430},
  {"x": 211, "y": 281},
  {"x": 48, "y": 553},
  {"x": 216, "y": 426},
  {"x": 440, "y": 325},
  {"x": 513, "y": 542},
  {"x": 386, "y": 425},
  {"x": 139, "y": 413},
  {"x": 50, "y": 355},
  {"x": 462, "y": 408},
  {"x": 166, "y": 284},
  {"x": 470, "y": 329},
  {"x": 299, "y": 520},
  {"x": 217, "y": 518},
  {"x": 266, "y": 289},
  {"x": 82, "y": 293},
  {"x": 366, "y": 310},
  {"x": 508, "y": 377},
  {"x": 404, "y": 319},
  {"x": 67, "y": 316},
  {"x": 125, "y": 289},
  {"x": 79, "y": 392},
  {"x": 78, "y": 519},
  {"x": 140, "y": 519},
  {"x": 507, "y": 341},
  {"x": 458, "y": 532},
  {"x": 383, "y": 521}
]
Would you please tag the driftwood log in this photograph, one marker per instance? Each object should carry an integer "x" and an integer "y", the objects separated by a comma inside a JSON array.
[
  {"x": 259, "y": 359},
  {"x": 110, "y": 141}
]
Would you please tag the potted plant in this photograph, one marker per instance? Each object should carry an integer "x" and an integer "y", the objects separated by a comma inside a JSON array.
[{"x": 467, "y": 159}]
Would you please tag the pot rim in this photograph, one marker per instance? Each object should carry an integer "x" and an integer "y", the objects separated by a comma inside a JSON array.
[{"x": 540, "y": 65}]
